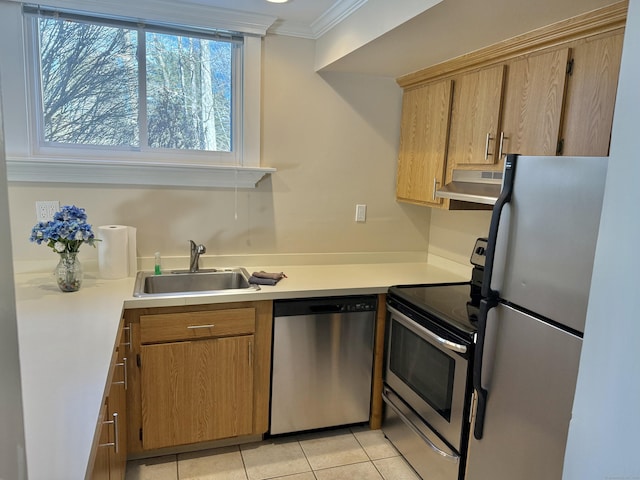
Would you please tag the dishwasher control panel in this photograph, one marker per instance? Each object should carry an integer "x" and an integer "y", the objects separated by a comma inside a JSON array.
[{"x": 325, "y": 305}]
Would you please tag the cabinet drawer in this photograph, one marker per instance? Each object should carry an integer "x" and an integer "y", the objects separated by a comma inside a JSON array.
[{"x": 169, "y": 327}]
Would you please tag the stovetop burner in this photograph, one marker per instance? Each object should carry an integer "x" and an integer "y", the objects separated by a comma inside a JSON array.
[{"x": 455, "y": 304}]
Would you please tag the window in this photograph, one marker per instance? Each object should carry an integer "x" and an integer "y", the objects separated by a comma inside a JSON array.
[
  {"x": 124, "y": 150},
  {"x": 109, "y": 86}
]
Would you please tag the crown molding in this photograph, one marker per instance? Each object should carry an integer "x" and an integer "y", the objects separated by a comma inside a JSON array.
[
  {"x": 197, "y": 13},
  {"x": 292, "y": 29},
  {"x": 602, "y": 20},
  {"x": 189, "y": 13},
  {"x": 334, "y": 15},
  {"x": 325, "y": 22}
]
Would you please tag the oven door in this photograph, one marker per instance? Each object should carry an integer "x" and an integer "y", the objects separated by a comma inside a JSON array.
[{"x": 429, "y": 373}]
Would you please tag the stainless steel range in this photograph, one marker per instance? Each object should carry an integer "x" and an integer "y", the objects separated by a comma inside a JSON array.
[{"x": 427, "y": 380}]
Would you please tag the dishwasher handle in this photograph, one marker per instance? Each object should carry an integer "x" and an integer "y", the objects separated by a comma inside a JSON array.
[
  {"x": 327, "y": 308},
  {"x": 325, "y": 305}
]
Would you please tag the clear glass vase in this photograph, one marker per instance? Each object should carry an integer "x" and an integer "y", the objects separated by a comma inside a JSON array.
[{"x": 68, "y": 272}]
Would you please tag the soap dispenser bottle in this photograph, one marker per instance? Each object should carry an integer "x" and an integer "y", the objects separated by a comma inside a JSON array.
[{"x": 157, "y": 270}]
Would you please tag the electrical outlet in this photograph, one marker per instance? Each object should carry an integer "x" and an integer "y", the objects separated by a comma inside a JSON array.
[
  {"x": 361, "y": 213},
  {"x": 46, "y": 210}
]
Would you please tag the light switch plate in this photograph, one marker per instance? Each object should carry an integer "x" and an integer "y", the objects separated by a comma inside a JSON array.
[{"x": 361, "y": 213}]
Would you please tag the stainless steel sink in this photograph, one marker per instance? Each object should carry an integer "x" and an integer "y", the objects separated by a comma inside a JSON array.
[{"x": 183, "y": 282}]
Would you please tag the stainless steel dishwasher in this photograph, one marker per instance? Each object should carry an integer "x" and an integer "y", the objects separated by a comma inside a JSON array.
[{"x": 322, "y": 362}]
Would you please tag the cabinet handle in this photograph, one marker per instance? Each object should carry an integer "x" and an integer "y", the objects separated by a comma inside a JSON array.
[
  {"x": 250, "y": 353},
  {"x": 124, "y": 365},
  {"x": 194, "y": 327},
  {"x": 486, "y": 147},
  {"x": 502, "y": 138},
  {"x": 128, "y": 342},
  {"x": 115, "y": 444},
  {"x": 435, "y": 185}
]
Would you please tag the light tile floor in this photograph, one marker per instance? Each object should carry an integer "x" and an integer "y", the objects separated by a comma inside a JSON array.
[{"x": 345, "y": 454}]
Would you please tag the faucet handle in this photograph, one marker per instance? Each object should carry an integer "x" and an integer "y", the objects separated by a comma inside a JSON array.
[{"x": 197, "y": 248}]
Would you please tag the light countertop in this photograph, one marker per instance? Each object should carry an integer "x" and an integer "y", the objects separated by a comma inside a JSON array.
[{"x": 66, "y": 341}]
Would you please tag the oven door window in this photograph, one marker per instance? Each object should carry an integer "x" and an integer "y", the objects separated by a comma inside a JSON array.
[{"x": 426, "y": 369}]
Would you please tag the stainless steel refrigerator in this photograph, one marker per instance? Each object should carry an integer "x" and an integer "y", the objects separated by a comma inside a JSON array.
[{"x": 539, "y": 259}]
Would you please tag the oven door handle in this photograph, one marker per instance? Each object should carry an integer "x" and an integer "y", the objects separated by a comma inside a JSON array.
[
  {"x": 407, "y": 322},
  {"x": 451, "y": 457}
]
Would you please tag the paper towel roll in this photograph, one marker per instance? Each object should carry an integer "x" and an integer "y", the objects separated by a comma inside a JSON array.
[{"x": 116, "y": 251}]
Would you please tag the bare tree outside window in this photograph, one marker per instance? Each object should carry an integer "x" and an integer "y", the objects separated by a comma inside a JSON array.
[
  {"x": 90, "y": 91},
  {"x": 89, "y": 83},
  {"x": 188, "y": 92}
]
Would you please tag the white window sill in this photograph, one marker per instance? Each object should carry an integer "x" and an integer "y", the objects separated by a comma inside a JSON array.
[{"x": 134, "y": 173}]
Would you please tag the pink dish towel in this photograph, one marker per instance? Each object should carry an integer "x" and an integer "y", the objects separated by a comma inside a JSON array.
[{"x": 265, "y": 278}]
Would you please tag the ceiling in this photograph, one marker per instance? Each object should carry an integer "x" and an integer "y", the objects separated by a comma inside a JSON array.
[
  {"x": 449, "y": 29},
  {"x": 456, "y": 27}
]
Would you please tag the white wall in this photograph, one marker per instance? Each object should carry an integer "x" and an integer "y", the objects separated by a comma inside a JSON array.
[
  {"x": 603, "y": 436},
  {"x": 12, "y": 451},
  {"x": 333, "y": 138},
  {"x": 452, "y": 235}
]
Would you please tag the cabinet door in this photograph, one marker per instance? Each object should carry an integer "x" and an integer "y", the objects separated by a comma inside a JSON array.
[
  {"x": 101, "y": 466},
  {"x": 591, "y": 96},
  {"x": 533, "y": 103},
  {"x": 426, "y": 112},
  {"x": 196, "y": 391},
  {"x": 117, "y": 403},
  {"x": 475, "y": 117}
]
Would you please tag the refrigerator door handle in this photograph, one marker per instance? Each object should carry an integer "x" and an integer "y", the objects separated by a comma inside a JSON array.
[
  {"x": 481, "y": 393},
  {"x": 503, "y": 199}
]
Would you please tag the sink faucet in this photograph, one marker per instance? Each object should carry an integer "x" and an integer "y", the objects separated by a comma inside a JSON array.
[{"x": 196, "y": 251}]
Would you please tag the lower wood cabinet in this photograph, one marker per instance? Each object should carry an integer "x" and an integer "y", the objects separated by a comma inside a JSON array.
[
  {"x": 110, "y": 449},
  {"x": 201, "y": 374},
  {"x": 195, "y": 391},
  {"x": 101, "y": 462}
]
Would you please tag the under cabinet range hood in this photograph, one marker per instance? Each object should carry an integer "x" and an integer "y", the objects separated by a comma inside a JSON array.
[{"x": 474, "y": 186}]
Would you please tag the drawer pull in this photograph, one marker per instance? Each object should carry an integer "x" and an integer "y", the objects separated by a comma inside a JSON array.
[
  {"x": 502, "y": 139},
  {"x": 128, "y": 342},
  {"x": 194, "y": 327},
  {"x": 115, "y": 444},
  {"x": 124, "y": 366},
  {"x": 486, "y": 147}
]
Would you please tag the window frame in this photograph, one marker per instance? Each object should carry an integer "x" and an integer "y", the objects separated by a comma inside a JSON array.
[
  {"x": 24, "y": 164},
  {"x": 41, "y": 147}
]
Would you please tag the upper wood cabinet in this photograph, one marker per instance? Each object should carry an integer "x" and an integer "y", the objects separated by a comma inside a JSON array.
[
  {"x": 475, "y": 117},
  {"x": 591, "y": 96},
  {"x": 533, "y": 104},
  {"x": 423, "y": 142},
  {"x": 547, "y": 92}
]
